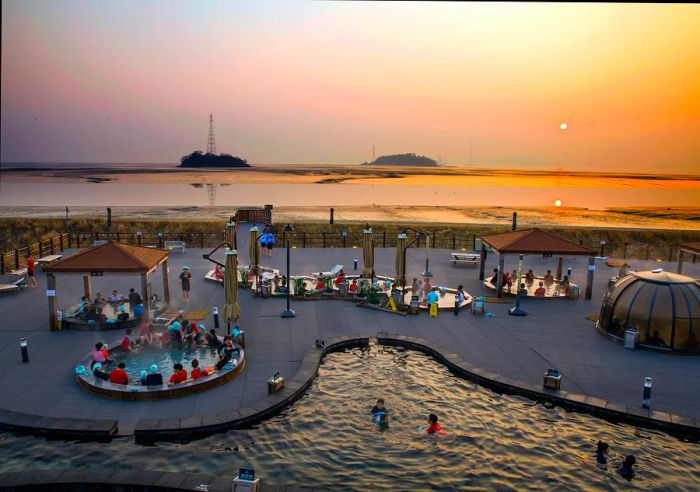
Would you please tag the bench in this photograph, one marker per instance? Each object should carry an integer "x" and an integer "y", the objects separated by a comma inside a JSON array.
[
  {"x": 22, "y": 272},
  {"x": 466, "y": 258},
  {"x": 171, "y": 245},
  {"x": 99, "y": 242},
  {"x": 332, "y": 273}
]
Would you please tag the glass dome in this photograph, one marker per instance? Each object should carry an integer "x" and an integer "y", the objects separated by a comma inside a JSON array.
[{"x": 663, "y": 306}]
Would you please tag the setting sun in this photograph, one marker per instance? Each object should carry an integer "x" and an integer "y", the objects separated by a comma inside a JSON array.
[
  {"x": 563, "y": 126},
  {"x": 557, "y": 203}
]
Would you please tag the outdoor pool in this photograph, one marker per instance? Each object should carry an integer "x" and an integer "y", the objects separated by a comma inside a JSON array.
[
  {"x": 140, "y": 360},
  {"x": 327, "y": 439}
]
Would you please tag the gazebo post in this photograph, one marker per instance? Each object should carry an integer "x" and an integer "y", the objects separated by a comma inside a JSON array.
[
  {"x": 53, "y": 305},
  {"x": 146, "y": 296},
  {"x": 166, "y": 285},
  {"x": 560, "y": 262},
  {"x": 589, "y": 278},
  {"x": 482, "y": 264},
  {"x": 680, "y": 260},
  {"x": 87, "y": 286},
  {"x": 501, "y": 266}
]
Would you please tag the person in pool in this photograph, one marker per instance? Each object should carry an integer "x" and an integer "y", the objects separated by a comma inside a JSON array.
[
  {"x": 127, "y": 342},
  {"x": 119, "y": 375},
  {"x": 153, "y": 377},
  {"x": 213, "y": 340},
  {"x": 179, "y": 374},
  {"x": 601, "y": 451},
  {"x": 434, "y": 426},
  {"x": 626, "y": 468},
  {"x": 379, "y": 407}
]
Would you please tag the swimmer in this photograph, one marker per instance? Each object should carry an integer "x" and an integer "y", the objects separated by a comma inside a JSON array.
[
  {"x": 626, "y": 468},
  {"x": 601, "y": 451},
  {"x": 379, "y": 407},
  {"x": 434, "y": 426}
]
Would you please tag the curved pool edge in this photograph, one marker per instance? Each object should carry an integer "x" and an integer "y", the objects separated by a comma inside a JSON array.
[
  {"x": 152, "y": 430},
  {"x": 114, "y": 480}
]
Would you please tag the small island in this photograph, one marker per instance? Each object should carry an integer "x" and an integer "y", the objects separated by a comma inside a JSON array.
[
  {"x": 200, "y": 159},
  {"x": 402, "y": 160}
]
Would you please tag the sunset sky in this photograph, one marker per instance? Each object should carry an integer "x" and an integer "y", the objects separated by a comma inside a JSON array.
[{"x": 320, "y": 82}]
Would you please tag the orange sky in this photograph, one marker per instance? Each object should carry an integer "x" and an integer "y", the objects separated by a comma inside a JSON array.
[{"x": 320, "y": 82}]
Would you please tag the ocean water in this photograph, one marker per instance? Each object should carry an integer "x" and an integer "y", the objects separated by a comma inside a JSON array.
[{"x": 328, "y": 440}]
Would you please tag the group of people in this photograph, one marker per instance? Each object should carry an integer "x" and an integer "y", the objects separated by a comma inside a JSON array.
[
  {"x": 544, "y": 285},
  {"x": 380, "y": 414},
  {"x": 626, "y": 468},
  {"x": 93, "y": 310}
]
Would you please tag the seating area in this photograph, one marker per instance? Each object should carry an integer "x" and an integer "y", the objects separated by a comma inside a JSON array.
[
  {"x": 552, "y": 290},
  {"x": 471, "y": 259}
]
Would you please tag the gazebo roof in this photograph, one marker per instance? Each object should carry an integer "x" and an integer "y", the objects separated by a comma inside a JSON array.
[
  {"x": 534, "y": 241},
  {"x": 111, "y": 257},
  {"x": 693, "y": 247}
]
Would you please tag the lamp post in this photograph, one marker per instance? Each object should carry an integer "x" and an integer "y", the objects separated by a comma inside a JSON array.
[
  {"x": 517, "y": 311},
  {"x": 426, "y": 273},
  {"x": 288, "y": 313}
]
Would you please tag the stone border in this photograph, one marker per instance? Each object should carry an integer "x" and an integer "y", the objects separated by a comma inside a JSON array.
[
  {"x": 152, "y": 393},
  {"x": 64, "y": 428}
]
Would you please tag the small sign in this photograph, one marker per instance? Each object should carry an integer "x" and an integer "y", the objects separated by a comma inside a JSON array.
[
  {"x": 246, "y": 474},
  {"x": 546, "y": 255},
  {"x": 96, "y": 274},
  {"x": 433, "y": 310},
  {"x": 391, "y": 304},
  {"x": 275, "y": 377},
  {"x": 591, "y": 268},
  {"x": 603, "y": 242},
  {"x": 50, "y": 293}
]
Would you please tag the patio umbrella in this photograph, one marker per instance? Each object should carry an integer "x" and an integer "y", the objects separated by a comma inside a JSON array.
[
  {"x": 400, "y": 261},
  {"x": 232, "y": 310},
  {"x": 231, "y": 235},
  {"x": 368, "y": 252},
  {"x": 254, "y": 250}
]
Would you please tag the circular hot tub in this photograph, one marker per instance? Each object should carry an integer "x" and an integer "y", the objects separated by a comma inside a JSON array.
[{"x": 164, "y": 357}]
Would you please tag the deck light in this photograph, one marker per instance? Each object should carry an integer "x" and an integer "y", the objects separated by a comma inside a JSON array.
[{"x": 23, "y": 348}]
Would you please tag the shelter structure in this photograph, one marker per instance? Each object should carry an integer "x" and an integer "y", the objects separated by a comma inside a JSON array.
[
  {"x": 113, "y": 259},
  {"x": 535, "y": 241},
  {"x": 663, "y": 308},
  {"x": 691, "y": 248}
]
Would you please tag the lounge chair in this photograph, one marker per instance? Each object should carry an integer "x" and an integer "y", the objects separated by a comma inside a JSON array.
[
  {"x": 333, "y": 273},
  {"x": 14, "y": 286}
]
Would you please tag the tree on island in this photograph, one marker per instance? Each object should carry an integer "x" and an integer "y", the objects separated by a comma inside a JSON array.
[
  {"x": 200, "y": 159},
  {"x": 402, "y": 160}
]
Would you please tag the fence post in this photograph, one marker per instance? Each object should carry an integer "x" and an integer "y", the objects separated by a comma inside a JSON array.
[
  {"x": 454, "y": 241},
  {"x": 284, "y": 239},
  {"x": 647, "y": 251},
  {"x": 670, "y": 252},
  {"x": 201, "y": 239},
  {"x": 16, "y": 259},
  {"x": 97, "y": 236},
  {"x": 70, "y": 240},
  {"x": 2, "y": 263},
  {"x": 384, "y": 239},
  {"x": 41, "y": 249},
  {"x": 324, "y": 238},
  {"x": 160, "y": 242},
  {"x": 118, "y": 237},
  {"x": 51, "y": 250},
  {"x": 473, "y": 242},
  {"x": 624, "y": 250},
  {"x": 344, "y": 241},
  {"x": 303, "y": 239},
  {"x": 77, "y": 240}
]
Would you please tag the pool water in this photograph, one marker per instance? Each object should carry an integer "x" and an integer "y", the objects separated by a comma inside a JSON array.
[
  {"x": 327, "y": 439},
  {"x": 165, "y": 357}
]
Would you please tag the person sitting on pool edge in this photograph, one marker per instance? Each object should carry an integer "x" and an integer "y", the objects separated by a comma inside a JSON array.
[
  {"x": 320, "y": 284},
  {"x": 540, "y": 291},
  {"x": 565, "y": 285},
  {"x": 529, "y": 277},
  {"x": 179, "y": 375},
  {"x": 548, "y": 279},
  {"x": 119, "y": 375},
  {"x": 123, "y": 314},
  {"x": 115, "y": 297},
  {"x": 353, "y": 287},
  {"x": 100, "y": 354},
  {"x": 197, "y": 372},
  {"x": 153, "y": 378},
  {"x": 434, "y": 426}
]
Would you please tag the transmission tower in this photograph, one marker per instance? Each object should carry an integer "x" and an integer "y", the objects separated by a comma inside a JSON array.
[
  {"x": 374, "y": 158},
  {"x": 211, "y": 192},
  {"x": 211, "y": 143}
]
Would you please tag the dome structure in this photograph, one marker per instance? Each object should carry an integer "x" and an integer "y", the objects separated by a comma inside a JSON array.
[{"x": 663, "y": 306}]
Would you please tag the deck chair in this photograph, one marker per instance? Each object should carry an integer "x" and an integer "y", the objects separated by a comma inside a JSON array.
[
  {"x": 14, "y": 286},
  {"x": 332, "y": 273}
]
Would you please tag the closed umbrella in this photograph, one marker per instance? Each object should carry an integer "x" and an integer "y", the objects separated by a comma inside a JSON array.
[
  {"x": 231, "y": 235},
  {"x": 400, "y": 261},
  {"x": 254, "y": 250},
  {"x": 232, "y": 310},
  {"x": 368, "y": 252}
]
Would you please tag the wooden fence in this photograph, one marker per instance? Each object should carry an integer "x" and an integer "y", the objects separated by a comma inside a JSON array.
[{"x": 15, "y": 259}]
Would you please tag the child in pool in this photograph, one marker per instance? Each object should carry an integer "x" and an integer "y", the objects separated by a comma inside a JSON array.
[
  {"x": 434, "y": 427},
  {"x": 379, "y": 408}
]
